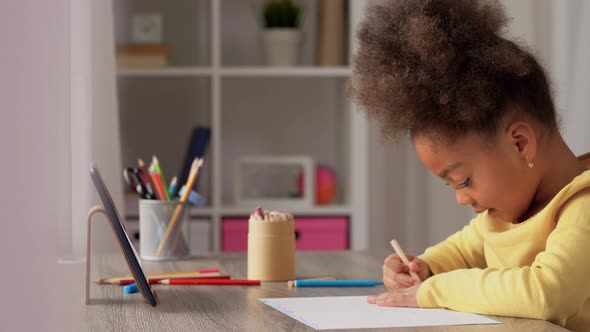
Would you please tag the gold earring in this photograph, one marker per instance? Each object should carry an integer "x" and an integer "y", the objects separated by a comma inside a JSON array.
[{"x": 529, "y": 162}]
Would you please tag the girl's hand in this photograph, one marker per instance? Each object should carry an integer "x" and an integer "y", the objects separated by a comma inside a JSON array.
[
  {"x": 396, "y": 274},
  {"x": 406, "y": 297}
]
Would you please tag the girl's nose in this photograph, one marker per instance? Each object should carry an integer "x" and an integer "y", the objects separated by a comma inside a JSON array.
[{"x": 463, "y": 198}]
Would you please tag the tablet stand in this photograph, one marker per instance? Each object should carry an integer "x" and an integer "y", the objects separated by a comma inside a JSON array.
[{"x": 95, "y": 209}]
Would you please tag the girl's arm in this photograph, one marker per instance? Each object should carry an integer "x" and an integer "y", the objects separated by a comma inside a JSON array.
[
  {"x": 553, "y": 288},
  {"x": 462, "y": 250}
]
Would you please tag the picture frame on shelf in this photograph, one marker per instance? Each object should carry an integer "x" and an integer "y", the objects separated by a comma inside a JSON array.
[{"x": 272, "y": 181}]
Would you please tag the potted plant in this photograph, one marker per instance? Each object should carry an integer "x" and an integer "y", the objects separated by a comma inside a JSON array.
[{"x": 282, "y": 36}]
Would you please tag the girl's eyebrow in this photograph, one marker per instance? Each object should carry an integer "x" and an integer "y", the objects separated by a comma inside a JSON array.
[{"x": 449, "y": 168}]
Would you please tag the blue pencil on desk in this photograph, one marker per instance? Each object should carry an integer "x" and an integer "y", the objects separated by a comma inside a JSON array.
[{"x": 336, "y": 283}]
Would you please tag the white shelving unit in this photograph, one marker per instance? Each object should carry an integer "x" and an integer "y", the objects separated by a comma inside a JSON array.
[{"x": 231, "y": 97}]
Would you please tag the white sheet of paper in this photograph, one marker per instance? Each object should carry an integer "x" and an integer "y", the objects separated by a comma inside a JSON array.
[{"x": 349, "y": 312}]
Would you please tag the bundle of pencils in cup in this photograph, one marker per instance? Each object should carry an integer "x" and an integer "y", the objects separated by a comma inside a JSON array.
[
  {"x": 150, "y": 183},
  {"x": 172, "y": 224}
]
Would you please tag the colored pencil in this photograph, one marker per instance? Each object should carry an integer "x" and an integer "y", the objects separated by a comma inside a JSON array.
[
  {"x": 122, "y": 281},
  {"x": 172, "y": 187},
  {"x": 158, "y": 169},
  {"x": 149, "y": 180},
  {"x": 337, "y": 283},
  {"x": 191, "y": 181},
  {"x": 178, "y": 229},
  {"x": 260, "y": 213},
  {"x": 158, "y": 181},
  {"x": 398, "y": 250},
  {"x": 210, "y": 282},
  {"x": 291, "y": 283},
  {"x": 157, "y": 280},
  {"x": 186, "y": 274}
]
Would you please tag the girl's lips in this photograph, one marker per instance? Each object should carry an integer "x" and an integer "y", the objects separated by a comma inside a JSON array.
[{"x": 478, "y": 211}]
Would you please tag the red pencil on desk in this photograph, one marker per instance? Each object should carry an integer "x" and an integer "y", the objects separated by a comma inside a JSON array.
[
  {"x": 192, "y": 281},
  {"x": 157, "y": 280}
]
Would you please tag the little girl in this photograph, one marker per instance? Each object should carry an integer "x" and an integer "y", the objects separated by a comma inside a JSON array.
[{"x": 480, "y": 114}]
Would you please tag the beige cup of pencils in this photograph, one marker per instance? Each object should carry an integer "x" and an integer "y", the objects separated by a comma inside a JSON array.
[
  {"x": 154, "y": 219},
  {"x": 271, "y": 246}
]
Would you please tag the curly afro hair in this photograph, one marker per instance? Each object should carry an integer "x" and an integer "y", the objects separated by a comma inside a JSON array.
[{"x": 441, "y": 67}]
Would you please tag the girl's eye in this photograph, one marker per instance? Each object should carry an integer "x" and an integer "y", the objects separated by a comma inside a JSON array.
[{"x": 461, "y": 185}]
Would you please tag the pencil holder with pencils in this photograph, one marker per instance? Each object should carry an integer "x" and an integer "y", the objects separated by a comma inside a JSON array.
[
  {"x": 271, "y": 246},
  {"x": 162, "y": 235}
]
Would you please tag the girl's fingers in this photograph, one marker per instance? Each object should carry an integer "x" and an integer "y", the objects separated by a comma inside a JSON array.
[
  {"x": 400, "y": 298},
  {"x": 421, "y": 268},
  {"x": 396, "y": 275},
  {"x": 394, "y": 280},
  {"x": 414, "y": 266},
  {"x": 387, "y": 272},
  {"x": 382, "y": 296},
  {"x": 388, "y": 299},
  {"x": 394, "y": 263},
  {"x": 403, "y": 279},
  {"x": 372, "y": 299}
]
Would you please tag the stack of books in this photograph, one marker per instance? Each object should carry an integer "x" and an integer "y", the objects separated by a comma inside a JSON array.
[
  {"x": 142, "y": 55},
  {"x": 330, "y": 28}
]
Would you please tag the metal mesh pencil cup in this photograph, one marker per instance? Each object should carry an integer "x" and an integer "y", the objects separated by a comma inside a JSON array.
[{"x": 154, "y": 221}]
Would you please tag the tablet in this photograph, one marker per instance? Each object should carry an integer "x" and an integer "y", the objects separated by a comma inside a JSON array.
[{"x": 124, "y": 242}]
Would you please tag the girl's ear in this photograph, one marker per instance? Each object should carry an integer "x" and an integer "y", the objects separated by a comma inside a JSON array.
[{"x": 521, "y": 136}]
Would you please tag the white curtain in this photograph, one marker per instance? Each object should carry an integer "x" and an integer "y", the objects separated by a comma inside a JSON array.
[
  {"x": 57, "y": 113},
  {"x": 34, "y": 162},
  {"x": 409, "y": 203},
  {"x": 94, "y": 124}
]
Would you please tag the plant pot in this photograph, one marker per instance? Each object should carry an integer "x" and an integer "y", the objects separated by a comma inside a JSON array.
[{"x": 282, "y": 46}]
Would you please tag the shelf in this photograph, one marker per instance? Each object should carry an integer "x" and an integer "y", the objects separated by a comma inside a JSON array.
[
  {"x": 287, "y": 71},
  {"x": 239, "y": 71},
  {"x": 170, "y": 71},
  {"x": 312, "y": 211},
  {"x": 330, "y": 210}
]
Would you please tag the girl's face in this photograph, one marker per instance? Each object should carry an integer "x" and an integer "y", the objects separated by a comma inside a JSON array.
[{"x": 490, "y": 176}]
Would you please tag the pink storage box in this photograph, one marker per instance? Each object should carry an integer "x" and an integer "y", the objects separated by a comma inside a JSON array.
[{"x": 312, "y": 233}]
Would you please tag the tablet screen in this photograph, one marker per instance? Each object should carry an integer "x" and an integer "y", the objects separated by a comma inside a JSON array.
[{"x": 126, "y": 246}]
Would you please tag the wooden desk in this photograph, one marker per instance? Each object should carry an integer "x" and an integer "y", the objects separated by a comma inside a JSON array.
[{"x": 236, "y": 308}]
